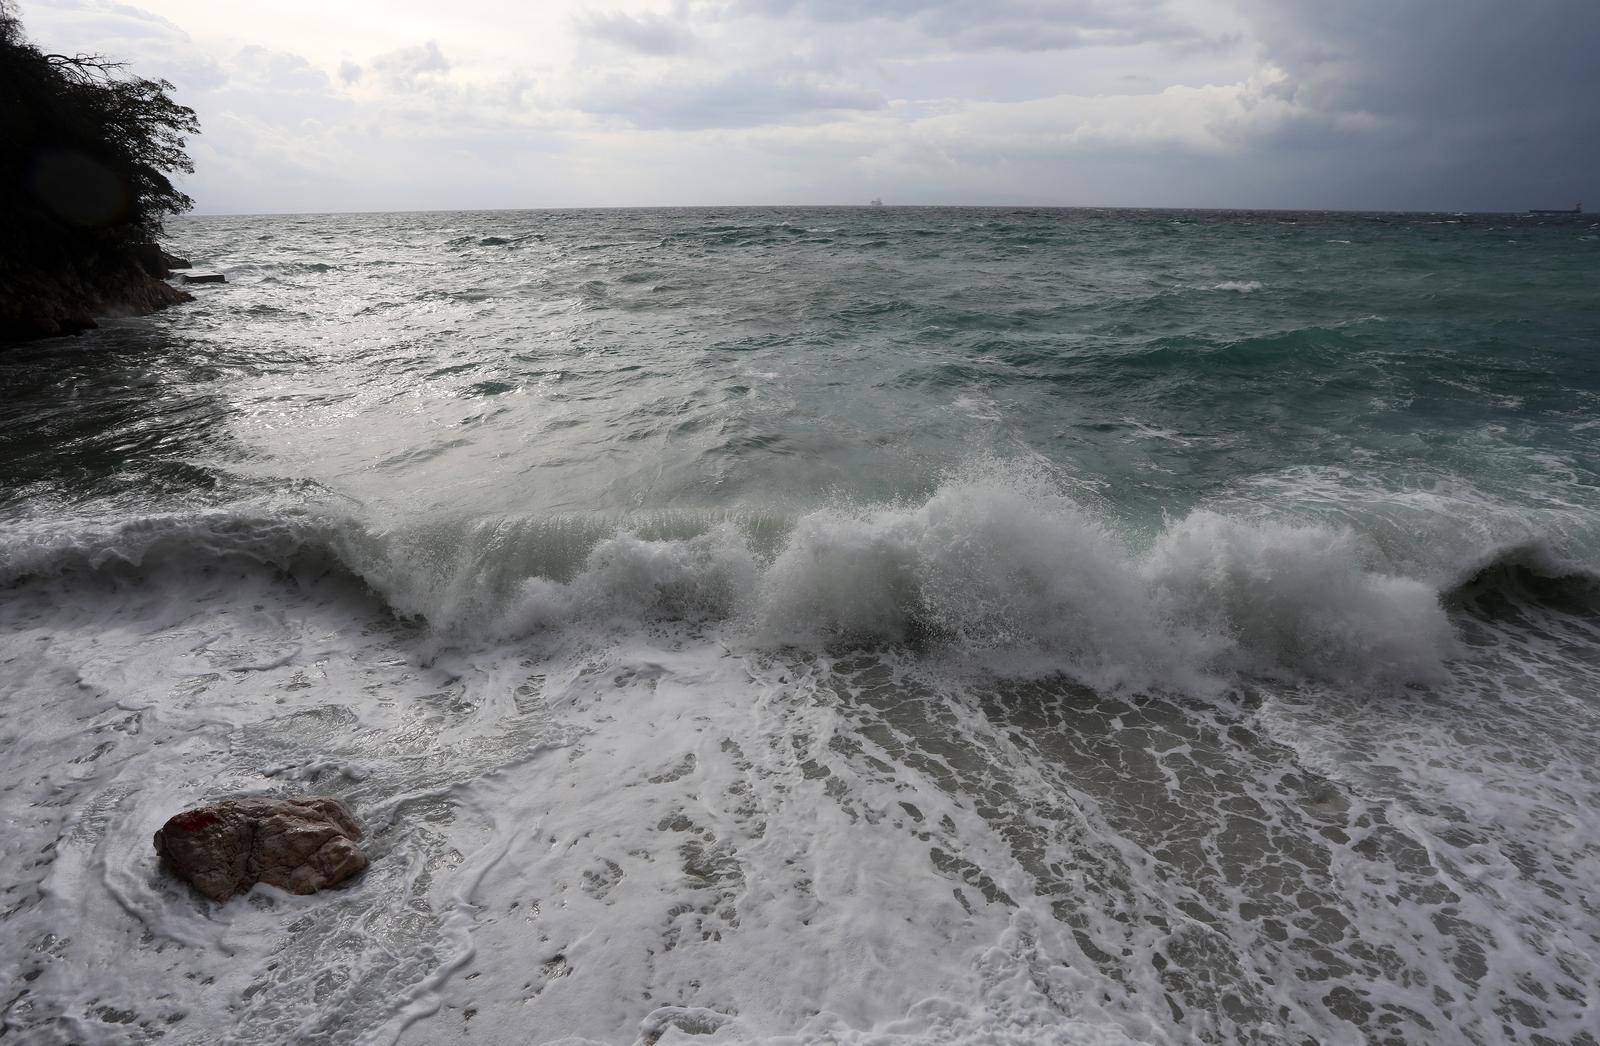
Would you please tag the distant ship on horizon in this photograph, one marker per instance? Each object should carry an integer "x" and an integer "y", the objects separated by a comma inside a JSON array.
[
  {"x": 875, "y": 202},
  {"x": 1577, "y": 208}
]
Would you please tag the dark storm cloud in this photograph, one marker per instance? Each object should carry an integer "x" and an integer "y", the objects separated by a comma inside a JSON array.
[
  {"x": 1482, "y": 58},
  {"x": 1467, "y": 103},
  {"x": 1019, "y": 25}
]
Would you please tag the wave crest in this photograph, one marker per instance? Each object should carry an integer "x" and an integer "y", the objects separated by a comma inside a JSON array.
[
  {"x": 988, "y": 565},
  {"x": 1002, "y": 568},
  {"x": 1300, "y": 597},
  {"x": 1522, "y": 574},
  {"x": 164, "y": 543}
]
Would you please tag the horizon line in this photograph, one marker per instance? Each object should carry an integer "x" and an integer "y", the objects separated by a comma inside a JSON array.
[{"x": 870, "y": 207}]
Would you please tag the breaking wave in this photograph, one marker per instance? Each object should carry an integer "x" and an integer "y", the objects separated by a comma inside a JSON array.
[
  {"x": 1002, "y": 569},
  {"x": 168, "y": 543},
  {"x": 1524, "y": 574}
]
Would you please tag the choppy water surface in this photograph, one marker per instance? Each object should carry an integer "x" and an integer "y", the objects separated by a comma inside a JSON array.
[{"x": 820, "y": 626}]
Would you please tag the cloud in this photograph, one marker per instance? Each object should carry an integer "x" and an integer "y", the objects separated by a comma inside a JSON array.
[
  {"x": 740, "y": 98},
  {"x": 120, "y": 31},
  {"x": 261, "y": 70},
  {"x": 1441, "y": 57},
  {"x": 1453, "y": 104},
  {"x": 647, "y": 33},
  {"x": 1016, "y": 25},
  {"x": 408, "y": 68},
  {"x": 1475, "y": 102}
]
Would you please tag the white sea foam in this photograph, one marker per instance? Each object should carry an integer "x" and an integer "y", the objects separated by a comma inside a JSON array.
[
  {"x": 1300, "y": 598},
  {"x": 628, "y": 579},
  {"x": 996, "y": 563},
  {"x": 1005, "y": 565},
  {"x": 992, "y": 565},
  {"x": 1238, "y": 286},
  {"x": 633, "y": 784}
]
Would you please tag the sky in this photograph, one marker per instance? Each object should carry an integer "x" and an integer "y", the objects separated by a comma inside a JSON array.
[{"x": 342, "y": 105}]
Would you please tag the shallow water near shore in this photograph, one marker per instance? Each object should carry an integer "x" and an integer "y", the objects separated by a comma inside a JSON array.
[{"x": 820, "y": 625}]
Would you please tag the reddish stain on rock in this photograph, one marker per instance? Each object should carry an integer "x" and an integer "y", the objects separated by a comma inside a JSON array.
[{"x": 193, "y": 820}]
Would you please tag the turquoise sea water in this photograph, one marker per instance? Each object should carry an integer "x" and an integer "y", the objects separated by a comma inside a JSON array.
[{"x": 821, "y": 625}]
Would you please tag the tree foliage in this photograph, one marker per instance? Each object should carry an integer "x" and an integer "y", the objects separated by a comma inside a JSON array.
[{"x": 87, "y": 156}]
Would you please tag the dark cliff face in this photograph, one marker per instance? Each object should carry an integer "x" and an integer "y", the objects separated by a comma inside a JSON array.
[
  {"x": 85, "y": 155},
  {"x": 63, "y": 302}
]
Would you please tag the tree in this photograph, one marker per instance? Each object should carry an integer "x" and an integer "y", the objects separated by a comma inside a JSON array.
[{"x": 87, "y": 156}]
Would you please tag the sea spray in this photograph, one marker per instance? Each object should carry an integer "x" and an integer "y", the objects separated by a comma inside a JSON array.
[
  {"x": 1299, "y": 599},
  {"x": 1006, "y": 564}
]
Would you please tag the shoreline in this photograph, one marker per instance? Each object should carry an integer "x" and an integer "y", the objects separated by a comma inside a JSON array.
[{"x": 43, "y": 306}]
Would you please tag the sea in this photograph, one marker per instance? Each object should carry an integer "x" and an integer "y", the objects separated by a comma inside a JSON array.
[{"x": 854, "y": 626}]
